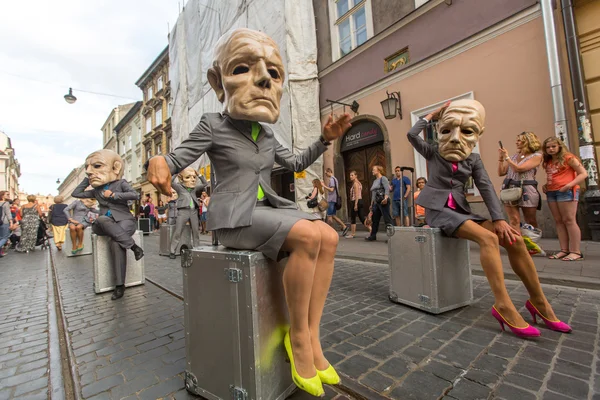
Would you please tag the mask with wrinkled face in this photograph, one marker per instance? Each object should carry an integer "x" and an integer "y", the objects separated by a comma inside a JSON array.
[
  {"x": 459, "y": 128},
  {"x": 188, "y": 177},
  {"x": 247, "y": 75},
  {"x": 102, "y": 167}
]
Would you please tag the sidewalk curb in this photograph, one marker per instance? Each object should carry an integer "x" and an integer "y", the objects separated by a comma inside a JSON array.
[
  {"x": 70, "y": 355},
  {"x": 573, "y": 281}
]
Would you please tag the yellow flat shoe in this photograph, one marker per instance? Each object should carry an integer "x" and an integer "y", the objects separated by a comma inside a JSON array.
[
  {"x": 329, "y": 376},
  {"x": 312, "y": 385}
]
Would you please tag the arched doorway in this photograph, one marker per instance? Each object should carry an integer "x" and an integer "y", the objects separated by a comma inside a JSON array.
[{"x": 362, "y": 148}]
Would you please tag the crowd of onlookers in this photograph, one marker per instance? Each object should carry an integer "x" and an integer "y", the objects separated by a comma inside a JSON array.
[{"x": 161, "y": 214}]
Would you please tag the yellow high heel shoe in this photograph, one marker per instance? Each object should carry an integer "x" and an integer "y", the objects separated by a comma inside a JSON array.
[
  {"x": 329, "y": 376},
  {"x": 312, "y": 385}
]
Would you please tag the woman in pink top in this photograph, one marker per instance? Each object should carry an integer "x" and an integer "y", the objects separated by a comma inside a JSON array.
[{"x": 357, "y": 208}]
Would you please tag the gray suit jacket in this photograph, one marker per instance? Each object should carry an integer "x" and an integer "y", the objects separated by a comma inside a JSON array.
[
  {"x": 117, "y": 204},
  {"x": 441, "y": 180},
  {"x": 240, "y": 164},
  {"x": 184, "y": 195}
]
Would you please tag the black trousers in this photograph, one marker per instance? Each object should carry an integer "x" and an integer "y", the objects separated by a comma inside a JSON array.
[
  {"x": 360, "y": 213},
  {"x": 380, "y": 210}
]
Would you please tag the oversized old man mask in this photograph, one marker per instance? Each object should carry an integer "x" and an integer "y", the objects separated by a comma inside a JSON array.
[
  {"x": 188, "y": 177},
  {"x": 102, "y": 167},
  {"x": 247, "y": 75},
  {"x": 459, "y": 128}
]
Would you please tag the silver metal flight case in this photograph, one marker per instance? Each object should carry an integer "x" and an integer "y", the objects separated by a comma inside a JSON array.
[
  {"x": 166, "y": 235},
  {"x": 104, "y": 275},
  {"x": 428, "y": 270},
  {"x": 235, "y": 321}
]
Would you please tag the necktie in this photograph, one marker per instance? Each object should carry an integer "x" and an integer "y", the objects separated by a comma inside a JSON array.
[
  {"x": 108, "y": 213},
  {"x": 451, "y": 201},
  {"x": 191, "y": 199},
  {"x": 255, "y": 131}
]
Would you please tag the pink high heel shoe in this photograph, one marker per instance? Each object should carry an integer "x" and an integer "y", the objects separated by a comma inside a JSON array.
[
  {"x": 527, "y": 332},
  {"x": 557, "y": 325}
]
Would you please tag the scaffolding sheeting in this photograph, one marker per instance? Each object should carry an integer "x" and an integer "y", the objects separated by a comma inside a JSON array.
[{"x": 291, "y": 24}]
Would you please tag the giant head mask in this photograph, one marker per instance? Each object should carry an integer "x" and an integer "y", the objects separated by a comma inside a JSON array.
[
  {"x": 459, "y": 128},
  {"x": 247, "y": 75},
  {"x": 188, "y": 177},
  {"x": 102, "y": 167}
]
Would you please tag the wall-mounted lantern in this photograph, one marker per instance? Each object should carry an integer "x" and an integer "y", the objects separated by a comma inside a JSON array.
[{"x": 391, "y": 105}]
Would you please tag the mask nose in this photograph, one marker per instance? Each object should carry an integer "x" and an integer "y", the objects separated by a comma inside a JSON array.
[
  {"x": 455, "y": 135},
  {"x": 263, "y": 78}
]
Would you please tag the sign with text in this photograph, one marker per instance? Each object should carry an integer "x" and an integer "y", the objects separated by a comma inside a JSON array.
[{"x": 362, "y": 134}]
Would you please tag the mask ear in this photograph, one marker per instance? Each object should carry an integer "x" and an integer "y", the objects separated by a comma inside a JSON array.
[
  {"x": 214, "y": 78},
  {"x": 117, "y": 168}
]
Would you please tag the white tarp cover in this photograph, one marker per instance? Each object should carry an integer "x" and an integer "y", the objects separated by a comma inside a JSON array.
[{"x": 291, "y": 24}]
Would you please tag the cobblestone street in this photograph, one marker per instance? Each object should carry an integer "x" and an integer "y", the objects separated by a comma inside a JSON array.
[{"x": 134, "y": 348}]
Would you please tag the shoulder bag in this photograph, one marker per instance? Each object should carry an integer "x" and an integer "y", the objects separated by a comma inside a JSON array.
[
  {"x": 380, "y": 192},
  {"x": 338, "y": 198},
  {"x": 511, "y": 194}
]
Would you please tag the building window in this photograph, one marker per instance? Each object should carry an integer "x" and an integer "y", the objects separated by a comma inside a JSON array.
[
  {"x": 129, "y": 142},
  {"x": 352, "y": 25},
  {"x": 158, "y": 117},
  {"x": 149, "y": 93},
  {"x": 159, "y": 83},
  {"x": 169, "y": 109},
  {"x": 128, "y": 172},
  {"x": 158, "y": 148},
  {"x": 148, "y": 153},
  {"x": 148, "y": 124},
  {"x": 123, "y": 148}
]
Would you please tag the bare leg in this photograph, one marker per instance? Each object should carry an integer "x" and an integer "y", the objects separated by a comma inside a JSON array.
[
  {"x": 397, "y": 220},
  {"x": 514, "y": 217},
  {"x": 561, "y": 229},
  {"x": 73, "y": 234},
  {"x": 303, "y": 243},
  {"x": 492, "y": 266},
  {"x": 320, "y": 288},
  {"x": 522, "y": 263},
  {"x": 339, "y": 221},
  {"x": 80, "y": 235},
  {"x": 568, "y": 211},
  {"x": 529, "y": 215},
  {"x": 352, "y": 229}
]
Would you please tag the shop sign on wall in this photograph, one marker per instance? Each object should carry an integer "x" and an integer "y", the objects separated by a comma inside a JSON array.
[{"x": 361, "y": 134}]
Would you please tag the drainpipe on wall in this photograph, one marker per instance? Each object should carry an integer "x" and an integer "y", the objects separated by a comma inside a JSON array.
[
  {"x": 560, "y": 119},
  {"x": 584, "y": 128}
]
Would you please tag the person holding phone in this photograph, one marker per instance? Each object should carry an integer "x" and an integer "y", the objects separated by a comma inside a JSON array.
[{"x": 520, "y": 170}]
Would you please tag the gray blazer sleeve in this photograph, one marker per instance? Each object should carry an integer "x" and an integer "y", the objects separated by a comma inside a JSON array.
[
  {"x": 68, "y": 209},
  {"x": 298, "y": 162},
  {"x": 198, "y": 142},
  {"x": 424, "y": 148},
  {"x": 175, "y": 184},
  {"x": 386, "y": 185},
  {"x": 126, "y": 193},
  {"x": 485, "y": 187},
  {"x": 80, "y": 193},
  {"x": 201, "y": 184}
]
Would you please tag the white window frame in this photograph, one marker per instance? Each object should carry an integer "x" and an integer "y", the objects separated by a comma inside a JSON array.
[
  {"x": 159, "y": 83},
  {"x": 149, "y": 93},
  {"x": 148, "y": 124},
  {"x": 420, "y": 162},
  {"x": 129, "y": 142},
  {"x": 158, "y": 147},
  {"x": 334, "y": 20},
  {"x": 158, "y": 112},
  {"x": 419, "y": 3}
]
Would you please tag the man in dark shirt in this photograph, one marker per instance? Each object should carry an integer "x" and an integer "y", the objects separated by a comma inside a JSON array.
[{"x": 401, "y": 188}]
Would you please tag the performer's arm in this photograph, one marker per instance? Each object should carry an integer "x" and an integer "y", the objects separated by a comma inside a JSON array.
[
  {"x": 126, "y": 193},
  {"x": 81, "y": 193},
  {"x": 202, "y": 183},
  {"x": 198, "y": 142},
  {"x": 298, "y": 162},
  {"x": 68, "y": 209},
  {"x": 486, "y": 188},
  {"x": 425, "y": 149}
]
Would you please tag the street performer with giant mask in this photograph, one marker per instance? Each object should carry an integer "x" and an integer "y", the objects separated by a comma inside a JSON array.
[
  {"x": 247, "y": 76},
  {"x": 104, "y": 170},
  {"x": 451, "y": 163},
  {"x": 187, "y": 184}
]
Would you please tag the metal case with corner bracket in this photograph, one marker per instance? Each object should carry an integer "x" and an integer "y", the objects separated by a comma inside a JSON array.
[
  {"x": 235, "y": 320},
  {"x": 428, "y": 270}
]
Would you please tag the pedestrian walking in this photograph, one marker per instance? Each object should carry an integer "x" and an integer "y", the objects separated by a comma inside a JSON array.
[
  {"x": 357, "y": 206},
  {"x": 316, "y": 200},
  {"x": 30, "y": 222},
  {"x": 161, "y": 212},
  {"x": 332, "y": 187},
  {"x": 380, "y": 203},
  {"x": 59, "y": 221},
  {"x": 401, "y": 190},
  {"x": 565, "y": 172},
  {"x": 6, "y": 221},
  {"x": 520, "y": 170}
]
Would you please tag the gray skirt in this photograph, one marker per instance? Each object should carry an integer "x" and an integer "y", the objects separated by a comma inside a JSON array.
[
  {"x": 270, "y": 227},
  {"x": 449, "y": 220}
]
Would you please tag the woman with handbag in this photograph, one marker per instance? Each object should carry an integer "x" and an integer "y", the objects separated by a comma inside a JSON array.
[
  {"x": 380, "y": 202},
  {"x": 316, "y": 200},
  {"x": 519, "y": 190},
  {"x": 565, "y": 173},
  {"x": 333, "y": 201},
  {"x": 59, "y": 221}
]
